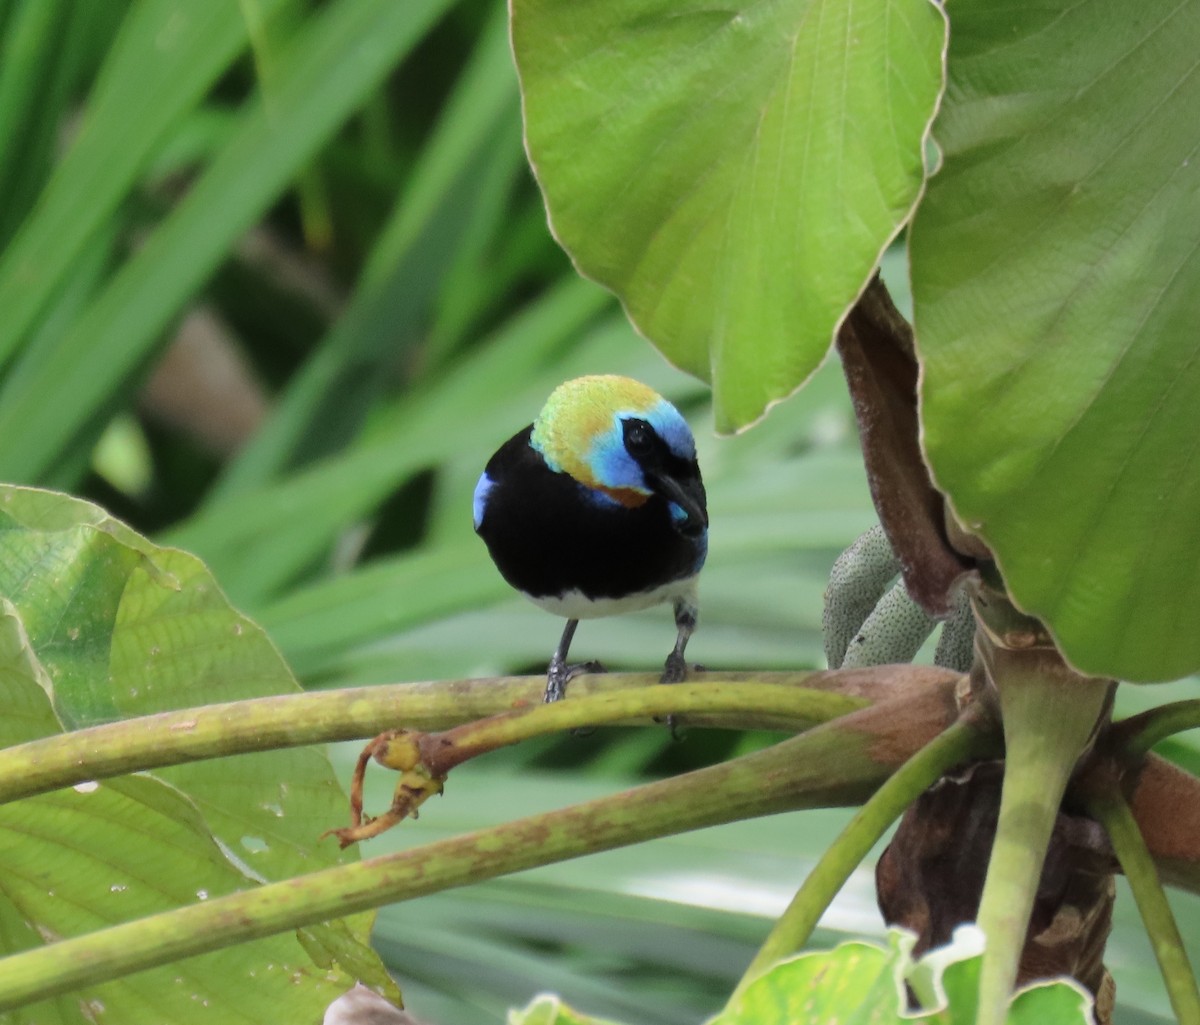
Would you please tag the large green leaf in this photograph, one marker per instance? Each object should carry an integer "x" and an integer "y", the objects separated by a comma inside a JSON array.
[
  {"x": 733, "y": 173},
  {"x": 1055, "y": 271},
  {"x": 99, "y": 624}
]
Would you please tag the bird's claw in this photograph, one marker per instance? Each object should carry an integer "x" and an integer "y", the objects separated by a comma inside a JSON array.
[
  {"x": 560, "y": 674},
  {"x": 675, "y": 671}
]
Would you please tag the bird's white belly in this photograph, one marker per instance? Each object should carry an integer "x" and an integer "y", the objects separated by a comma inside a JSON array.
[{"x": 576, "y": 605}]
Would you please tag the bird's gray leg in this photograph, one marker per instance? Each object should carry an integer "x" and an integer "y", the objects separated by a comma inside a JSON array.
[
  {"x": 675, "y": 670},
  {"x": 558, "y": 674}
]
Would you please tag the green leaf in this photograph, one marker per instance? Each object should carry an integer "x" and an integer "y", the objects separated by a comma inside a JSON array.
[
  {"x": 549, "y": 1010},
  {"x": 1055, "y": 271},
  {"x": 96, "y": 624},
  {"x": 855, "y": 982},
  {"x": 733, "y": 173}
]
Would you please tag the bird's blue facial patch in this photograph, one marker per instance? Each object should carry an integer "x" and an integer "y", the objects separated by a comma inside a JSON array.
[
  {"x": 479, "y": 502},
  {"x": 613, "y": 466}
]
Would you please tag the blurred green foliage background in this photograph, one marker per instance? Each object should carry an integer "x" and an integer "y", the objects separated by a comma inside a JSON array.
[{"x": 275, "y": 282}]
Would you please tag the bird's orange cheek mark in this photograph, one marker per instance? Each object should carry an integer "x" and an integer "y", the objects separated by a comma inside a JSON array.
[{"x": 628, "y": 497}]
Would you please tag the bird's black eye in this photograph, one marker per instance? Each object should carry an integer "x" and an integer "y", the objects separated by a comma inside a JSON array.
[{"x": 639, "y": 437}]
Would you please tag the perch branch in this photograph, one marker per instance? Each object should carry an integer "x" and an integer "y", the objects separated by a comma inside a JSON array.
[{"x": 293, "y": 720}]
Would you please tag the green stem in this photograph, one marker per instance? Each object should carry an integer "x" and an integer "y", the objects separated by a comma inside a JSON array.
[
  {"x": 1111, "y": 809},
  {"x": 1139, "y": 733},
  {"x": 957, "y": 744},
  {"x": 1049, "y": 717},
  {"x": 293, "y": 720},
  {"x": 802, "y": 708},
  {"x": 840, "y": 762}
]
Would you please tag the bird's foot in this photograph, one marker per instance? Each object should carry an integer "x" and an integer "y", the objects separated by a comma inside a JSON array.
[
  {"x": 557, "y": 679},
  {"x": 560, "y": 674},
  {"x": 675, "y": 671}
]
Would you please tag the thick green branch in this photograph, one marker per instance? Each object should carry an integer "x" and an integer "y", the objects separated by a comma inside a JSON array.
[
  {"x": 841, "y": 762},
  {"x": 1050, "y": 715},
  {"x": 293, "y": 720}
]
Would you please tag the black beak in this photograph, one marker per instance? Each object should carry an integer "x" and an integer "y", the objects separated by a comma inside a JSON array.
[{"x": 689, "y": 496}]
